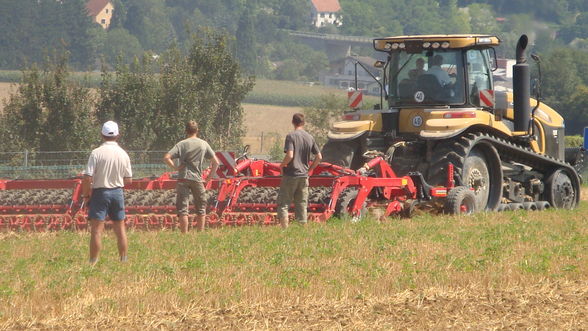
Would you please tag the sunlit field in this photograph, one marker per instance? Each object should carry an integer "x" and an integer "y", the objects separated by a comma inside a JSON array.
[{"x": 511, "y": 270}]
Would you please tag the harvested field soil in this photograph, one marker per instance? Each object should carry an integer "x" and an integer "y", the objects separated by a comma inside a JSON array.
[
  {"x": 274, "y": 122},
  {"x": 5, "y": 90},
  {"x": 510, "y": 270},
  {"x": 546, "y": 305}
]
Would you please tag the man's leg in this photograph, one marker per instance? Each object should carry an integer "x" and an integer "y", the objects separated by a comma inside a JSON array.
[
  {"x": 120, "y": 230},
  {"x": 182, "y": 203},
  {"x": 284, "y": 199},
  {"x": 199, "y": 194},
  {"x": 183, "y": 223},
  {"x": 96, "y": 229},
  {"x": 301, "y": 200}
]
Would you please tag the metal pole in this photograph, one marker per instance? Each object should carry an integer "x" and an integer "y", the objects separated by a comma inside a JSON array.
[{"x": 261, "y": 147}]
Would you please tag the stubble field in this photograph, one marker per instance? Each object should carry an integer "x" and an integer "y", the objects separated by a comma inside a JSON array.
[{"x": 512, "y": 270}]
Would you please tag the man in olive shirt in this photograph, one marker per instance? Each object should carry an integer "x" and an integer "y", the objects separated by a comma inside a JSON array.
[
  {"x": 298, "y": 147},
  {"x": 191, "y": 153}
]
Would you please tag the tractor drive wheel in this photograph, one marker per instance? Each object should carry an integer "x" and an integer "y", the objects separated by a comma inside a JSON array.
[
  {"x": 561, "y": 191},
  {"x": 345, "y": 203},
  {"x": 477, "y": 166},
  {"x": 460, "y": 200}
]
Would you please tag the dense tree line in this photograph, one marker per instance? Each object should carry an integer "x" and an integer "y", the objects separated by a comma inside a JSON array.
[
  {"x": 150, "y": 99},
  {"x": 32, "y": 29}
]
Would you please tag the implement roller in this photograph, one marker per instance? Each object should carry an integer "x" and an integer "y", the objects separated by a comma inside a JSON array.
[{"x": 243, "y": 192}]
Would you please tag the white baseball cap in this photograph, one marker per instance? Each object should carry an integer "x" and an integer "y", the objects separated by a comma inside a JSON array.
[{"x": 110, "y": 129}]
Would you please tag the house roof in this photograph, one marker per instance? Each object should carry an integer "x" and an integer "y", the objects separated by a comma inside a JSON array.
[
  {"x": 330, "y": 6},
  {"x": 95, "y": 6}
]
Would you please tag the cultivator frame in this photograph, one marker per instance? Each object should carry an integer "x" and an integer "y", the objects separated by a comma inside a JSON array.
[{"x": 338, "y": 191}]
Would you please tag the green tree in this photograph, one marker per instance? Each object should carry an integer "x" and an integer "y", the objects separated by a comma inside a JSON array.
[
  {"x": 246, "y": 45},
  {"x": 321, "y": 115},
  {"x": 48, "y": 112},
  {"x": 120, "y": 43},
  {"x": 129, "y": 96},
  {"x": 152, "y": 101}
]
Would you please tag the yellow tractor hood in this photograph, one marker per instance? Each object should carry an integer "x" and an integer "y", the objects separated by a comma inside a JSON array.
[{"x": 348, "y": 130}]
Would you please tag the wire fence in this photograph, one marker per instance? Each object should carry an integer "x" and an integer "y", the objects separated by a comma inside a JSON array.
[{"x": 67, "y": 164}]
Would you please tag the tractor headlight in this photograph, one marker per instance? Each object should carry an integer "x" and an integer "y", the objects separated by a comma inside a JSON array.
[
  {"x": 435, "y": 45},
  {"x": 445, "y": 44},
  {"x": 426, "y": 44},
  {"x": 402, "y": 45},
  {"x": 395, "y": 46}
]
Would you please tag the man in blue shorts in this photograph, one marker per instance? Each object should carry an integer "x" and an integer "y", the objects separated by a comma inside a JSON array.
[{"x": 108, "y": 170}]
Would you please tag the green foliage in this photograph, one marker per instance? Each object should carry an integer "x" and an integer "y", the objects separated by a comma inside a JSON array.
[
  {"x": 152, "y": 100},
  {"x": 321, "y": 115},
  {"x": 48, "y": 112},
  {"x": 574, "y": 141},
  {"x": 32, "y": 29},
  {"x": 246, "y": 45}
]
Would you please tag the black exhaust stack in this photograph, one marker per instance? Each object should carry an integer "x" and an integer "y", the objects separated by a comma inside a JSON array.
[{"x": 521, "y": 83}]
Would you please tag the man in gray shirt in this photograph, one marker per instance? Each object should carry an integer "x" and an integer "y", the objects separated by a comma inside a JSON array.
[
  {"x": 295, "y": 167},
  {"x": 191, "y": 153}
]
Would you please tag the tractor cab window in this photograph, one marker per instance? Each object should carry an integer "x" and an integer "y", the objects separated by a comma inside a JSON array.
[
  {"x": 478, "y": 76},
  {"x": 432, "y": 77}
]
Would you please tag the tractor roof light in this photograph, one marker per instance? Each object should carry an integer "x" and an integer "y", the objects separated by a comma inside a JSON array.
[
  {"x": 388, "y": 46},
  {"x": 394, "y": 46},
  {"x": 435, "y": 45},
  {"x": 402, "y": 45},
  {"x": 426, "y": 44},
  {"x": 482, "y": 41},
  {"x": 445, "y": 44}
]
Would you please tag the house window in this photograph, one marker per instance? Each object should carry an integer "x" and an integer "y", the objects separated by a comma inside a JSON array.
[
  {"x": 331, "y": 15},
  {"x": 107, "y": 10},
  {"x": 322, "y": 15},
  {"x": 103, "y": 21}
]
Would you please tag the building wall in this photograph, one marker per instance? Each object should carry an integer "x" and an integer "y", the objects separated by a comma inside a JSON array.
[
  {"x": 103, "y": 18},
  {"x": 323, "y": 18}
]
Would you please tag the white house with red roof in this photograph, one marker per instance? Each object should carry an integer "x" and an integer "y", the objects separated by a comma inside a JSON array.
[
  {"x": 101, "y": 11},
  {"x": 325, "y": 12}
]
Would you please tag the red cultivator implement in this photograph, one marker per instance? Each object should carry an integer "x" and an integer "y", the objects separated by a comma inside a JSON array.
[{"x": 244, "y": 193}]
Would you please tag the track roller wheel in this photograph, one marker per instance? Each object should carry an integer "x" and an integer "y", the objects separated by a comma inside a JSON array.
[
  {"x": 345, "y": 203},
  {"x": 542, "y": 205},
  {"x": 460, "y": 200},
  {"x": 530, "y": 206},
  {"x": 502, "y": 207},
  {"x": 560, "y": 191},
  {"x": 515, "y": 206}
]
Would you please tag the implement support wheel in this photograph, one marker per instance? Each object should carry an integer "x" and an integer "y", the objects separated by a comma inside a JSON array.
[{"x": 460, "y": 200}]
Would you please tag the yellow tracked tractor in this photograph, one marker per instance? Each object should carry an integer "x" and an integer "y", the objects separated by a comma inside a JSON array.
[{"x": 442, "y": 107}]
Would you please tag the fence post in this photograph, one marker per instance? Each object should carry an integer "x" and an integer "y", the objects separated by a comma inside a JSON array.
[{"x": 261, "y": 147}]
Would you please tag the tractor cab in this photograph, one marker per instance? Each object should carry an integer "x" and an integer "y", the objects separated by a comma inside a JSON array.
[{"x": 450, "y": 71}]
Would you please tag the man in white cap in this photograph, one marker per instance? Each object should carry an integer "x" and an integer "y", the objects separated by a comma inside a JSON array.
[{"x": 108, "y": 170}]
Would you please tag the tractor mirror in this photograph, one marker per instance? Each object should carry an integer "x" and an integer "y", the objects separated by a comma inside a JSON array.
[{"x": 493, "y": 60}]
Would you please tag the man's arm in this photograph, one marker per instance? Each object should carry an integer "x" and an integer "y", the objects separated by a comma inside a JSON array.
[
  {"x": 167, "y": 159},
  {"x": 317, "y": 160},
  {"x": 86, "y": 187},
  {"x": 213, "y": 167},
  {"x": 287, "y": 159}
]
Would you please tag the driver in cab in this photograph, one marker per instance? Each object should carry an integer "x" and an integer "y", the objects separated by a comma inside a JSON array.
[{"x": 436, "y": 70}]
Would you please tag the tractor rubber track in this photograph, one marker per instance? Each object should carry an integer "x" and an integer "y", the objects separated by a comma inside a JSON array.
[{"x": 511, "y": 152}]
